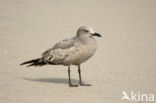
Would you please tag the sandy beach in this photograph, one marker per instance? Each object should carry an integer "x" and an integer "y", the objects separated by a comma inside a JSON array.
[{"x": 125, "y": 59}]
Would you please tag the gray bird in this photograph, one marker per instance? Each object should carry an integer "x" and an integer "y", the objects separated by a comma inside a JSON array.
[{"x": 72, "y": 51}]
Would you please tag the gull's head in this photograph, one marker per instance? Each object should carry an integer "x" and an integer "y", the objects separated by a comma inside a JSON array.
[{"x": 86, "y": 31}]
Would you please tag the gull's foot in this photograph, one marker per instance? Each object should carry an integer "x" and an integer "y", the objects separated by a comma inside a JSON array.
[
  {"x": 73, "y": 85},
  {"x": 82, "y": 84}
]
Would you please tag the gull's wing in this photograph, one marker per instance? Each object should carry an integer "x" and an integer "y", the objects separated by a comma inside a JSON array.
[
  {"x": 59, "y": 51},
  {"x": 66, "y": 43}
]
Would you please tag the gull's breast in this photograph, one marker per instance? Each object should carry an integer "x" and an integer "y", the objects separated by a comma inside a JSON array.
[{"x": 83, "y": 51}]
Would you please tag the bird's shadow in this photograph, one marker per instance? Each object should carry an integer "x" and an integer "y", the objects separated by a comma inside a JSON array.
[{"x": 52, "y": 80}]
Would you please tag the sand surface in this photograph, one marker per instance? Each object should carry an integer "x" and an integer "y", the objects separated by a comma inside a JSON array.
[{"x": 125, "y": 59}]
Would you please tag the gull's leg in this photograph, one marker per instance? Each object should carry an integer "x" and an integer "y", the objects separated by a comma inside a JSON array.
[
  {"x": 70, "y": 84},
  {"x": 80, "y": 82}
]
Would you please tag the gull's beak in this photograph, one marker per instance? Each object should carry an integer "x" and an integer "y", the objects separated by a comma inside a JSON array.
[{"x": 96, "y": 34}]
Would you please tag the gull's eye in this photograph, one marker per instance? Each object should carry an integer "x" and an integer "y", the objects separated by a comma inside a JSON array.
[{"x": 86, "y": 31}]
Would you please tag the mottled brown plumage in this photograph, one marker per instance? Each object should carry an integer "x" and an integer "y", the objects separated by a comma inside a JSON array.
[{"x": 72, "y": 51}]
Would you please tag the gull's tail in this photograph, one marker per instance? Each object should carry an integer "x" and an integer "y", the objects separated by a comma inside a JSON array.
[{"x": 34, "y": 62}]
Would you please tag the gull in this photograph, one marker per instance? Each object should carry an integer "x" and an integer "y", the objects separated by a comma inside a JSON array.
[{"x": 72, "y": 51}]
